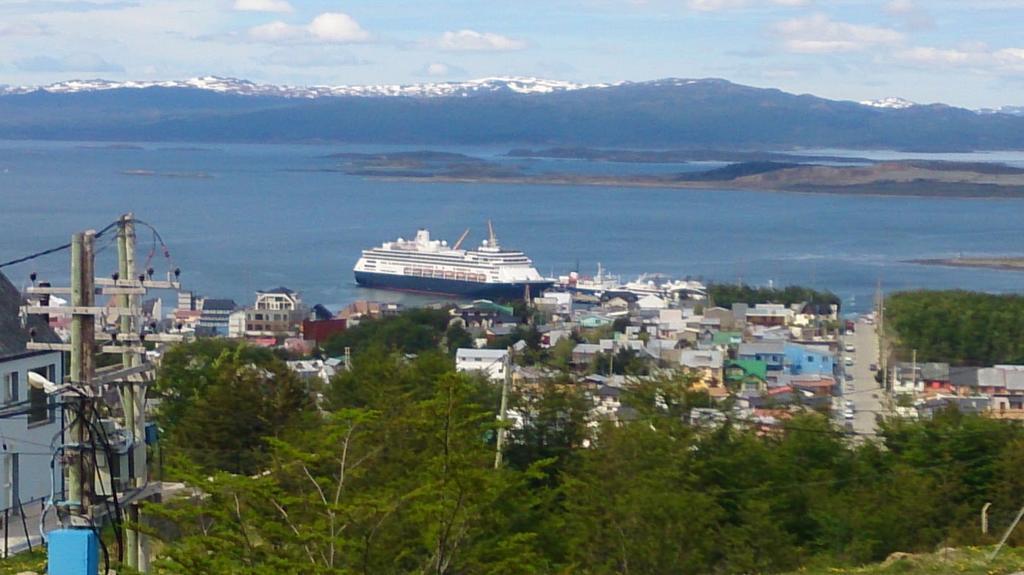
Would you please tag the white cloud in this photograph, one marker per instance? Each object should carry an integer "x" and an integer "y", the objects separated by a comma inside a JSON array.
[
  {"x": 263, "y": 6},
  {"x": 276, "y": 32},
  {"x": 333, "y": 27},
  {"x": 473, "y": 41},
  {"x": 716, "y": 5},
  {"x": 337, "y": 27},
  {"x": 436, "y": 69},
  {"x": 912, "y": 15},
  {"x": 71, "y": 63},
  {"x": 974, "y": 57},
  {"x": 21, "y": 29},
  {"x": 820, "y": 34}
]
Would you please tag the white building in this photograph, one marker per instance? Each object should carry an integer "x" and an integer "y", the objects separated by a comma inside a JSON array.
[
  {"x": 236, "y": 324},
  {"x": 489, "y": 361},
  {"x": 30, "y": 418},
  {"x": 277, "y": 312}
]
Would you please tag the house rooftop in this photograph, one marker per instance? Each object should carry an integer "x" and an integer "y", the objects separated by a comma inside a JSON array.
[
  {"x": 465, "y": 352},
  {"x": 278, "y": 290},
  {"x": 776, "y": 347},
  {"x": 219, "y": 305},
  {"x": 750, "y": 367}
]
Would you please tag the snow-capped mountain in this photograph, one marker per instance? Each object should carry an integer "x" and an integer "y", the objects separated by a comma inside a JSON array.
[
  {"x": 892, "y": 103},
  {"x": 247, "y": 88},
  {"x": 1012, "y": 110}
]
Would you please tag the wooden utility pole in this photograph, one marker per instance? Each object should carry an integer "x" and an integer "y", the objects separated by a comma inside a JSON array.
[
  {"x": 505, "y": 384},
  {"x": 133, "y": 400},
  {"x": 883, "y": 362},
  {"x": 80, "y": 402},
  {"x": 78, "y": 407}
]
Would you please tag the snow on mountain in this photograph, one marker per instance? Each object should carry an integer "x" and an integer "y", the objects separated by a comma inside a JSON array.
[
  {"x": 244, "y": 87},
  {"x": 891, "y": 103},
  {"x": 1012, "y": 110}
]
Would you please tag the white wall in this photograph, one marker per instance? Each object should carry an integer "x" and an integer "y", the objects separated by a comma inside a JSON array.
[
  {"x": 491, "y": 364},
  {"x": 30, "y": 441}
]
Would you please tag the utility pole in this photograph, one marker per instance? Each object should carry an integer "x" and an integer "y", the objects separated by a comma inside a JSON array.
[
  {"x": 1020, "y": 514},
  {"x": 133, "y": 400},
  {"x": 505, "y": 384},
  {"x": 83, "y": 343},
  {"x": 913, "y": 370},
  {"x": 883, "y": 362},
  {"x": 77, "y": 541}
]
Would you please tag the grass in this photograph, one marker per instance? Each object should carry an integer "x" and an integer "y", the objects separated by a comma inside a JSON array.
[
  {"x": 31, "y": 562},
  {"x": 960, "y": 561}
]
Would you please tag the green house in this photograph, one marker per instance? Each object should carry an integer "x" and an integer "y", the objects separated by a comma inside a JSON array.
[
  {"x": 593, "y": 321},
  {"x": 727, "y": 338},
  {"x": 746, "y": 375}
]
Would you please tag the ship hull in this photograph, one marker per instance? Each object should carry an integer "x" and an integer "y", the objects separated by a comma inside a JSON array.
[{"x": 450, "y": 287}]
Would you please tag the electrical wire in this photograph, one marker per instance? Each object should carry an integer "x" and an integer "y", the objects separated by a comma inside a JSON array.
[
  {"x": 108, "y": 450},
  {"x": 53, "y": 250}
]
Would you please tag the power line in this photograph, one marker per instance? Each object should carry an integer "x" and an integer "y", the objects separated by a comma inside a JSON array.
[{"x": 52, "y": 250}]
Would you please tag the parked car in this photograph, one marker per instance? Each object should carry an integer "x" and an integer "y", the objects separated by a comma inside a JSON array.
[
  {"x": 850, "y": 348},
  {"x": 848, "y": 414},
  {"x": 848, "y": 361},
  {"x": 873, "y": 367}
]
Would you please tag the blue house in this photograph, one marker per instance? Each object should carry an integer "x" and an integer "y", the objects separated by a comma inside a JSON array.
[
  {"x": 773, "y": 354},
  {"x": 809, "y": 359},
  {"x": 789, "y": 358}
]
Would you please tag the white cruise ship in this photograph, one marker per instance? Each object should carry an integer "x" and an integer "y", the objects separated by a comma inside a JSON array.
[{"x": 432, "y": 266}]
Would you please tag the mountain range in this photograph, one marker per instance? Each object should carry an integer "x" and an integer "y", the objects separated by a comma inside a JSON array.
[{"x": 667, "y": 113}]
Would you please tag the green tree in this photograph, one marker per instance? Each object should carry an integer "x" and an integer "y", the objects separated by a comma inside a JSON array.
[{"x": 220, "y": 402}]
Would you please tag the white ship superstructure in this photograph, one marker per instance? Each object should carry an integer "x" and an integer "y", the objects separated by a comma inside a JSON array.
[{"x": 429, "y": 265}]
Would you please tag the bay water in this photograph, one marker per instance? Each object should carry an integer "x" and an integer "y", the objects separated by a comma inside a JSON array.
[{"x": 239, "y": 218}]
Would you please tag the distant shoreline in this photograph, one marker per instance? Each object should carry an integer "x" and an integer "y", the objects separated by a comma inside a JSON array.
[
  {"x": 895, "y": 190},
  {"x": 1008, "y": 263},
  {"x": 898, "y": 178}
]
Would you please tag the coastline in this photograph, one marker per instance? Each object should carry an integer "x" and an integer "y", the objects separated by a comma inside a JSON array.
[
  {"x": 865, "y": 190},
  {"x": 1015, "y": 264}
]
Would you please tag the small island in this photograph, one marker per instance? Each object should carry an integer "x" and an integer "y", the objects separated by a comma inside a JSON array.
[
  {"x": 767, "y": 172},
  {"x": 1013, "y": 263}
]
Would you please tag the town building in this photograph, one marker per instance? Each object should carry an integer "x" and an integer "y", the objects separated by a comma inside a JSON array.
[
  {"x": 30, "y": 417},
  {"x": 490, "y": 362},
  {"x": 277, "y": 312},
  {"x": 214, "y": 317}
]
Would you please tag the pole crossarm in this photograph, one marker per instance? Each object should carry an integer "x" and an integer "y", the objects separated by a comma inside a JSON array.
[
  {"x": 42, "y": 346},
  {"x": 43, "y": 290},
  {"x": 149, "y": 284},
  {"x": 76, "y": 310},
  {"x": 120, "y": 374}
]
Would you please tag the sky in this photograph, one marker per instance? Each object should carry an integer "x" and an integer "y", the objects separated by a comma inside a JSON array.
[{"x": 961, "y": 52}]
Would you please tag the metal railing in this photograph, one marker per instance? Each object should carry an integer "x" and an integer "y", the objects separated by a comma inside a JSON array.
[{"x": 20, "y": 524}]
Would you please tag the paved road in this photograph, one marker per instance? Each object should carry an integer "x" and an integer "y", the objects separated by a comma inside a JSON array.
[{"x": 862, "y": 390}]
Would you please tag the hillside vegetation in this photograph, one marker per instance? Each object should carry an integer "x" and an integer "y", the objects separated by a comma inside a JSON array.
[
  {"x": 393, "y": 471},
  {"x": 959, "y": 327}
]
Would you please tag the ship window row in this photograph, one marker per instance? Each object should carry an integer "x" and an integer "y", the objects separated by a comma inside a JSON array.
[
  {"x": 428, "y": 259},
  {"x": 441, "y": 274},
  {"x": 437, "y": 261}
]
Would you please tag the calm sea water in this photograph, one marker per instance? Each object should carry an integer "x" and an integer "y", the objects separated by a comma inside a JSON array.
[{"x": 239, "y": 218}]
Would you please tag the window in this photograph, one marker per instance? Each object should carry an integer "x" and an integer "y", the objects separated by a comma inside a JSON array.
[
  {"x": 40, "y": 410},
  {"x": 11, "y": 391}
]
